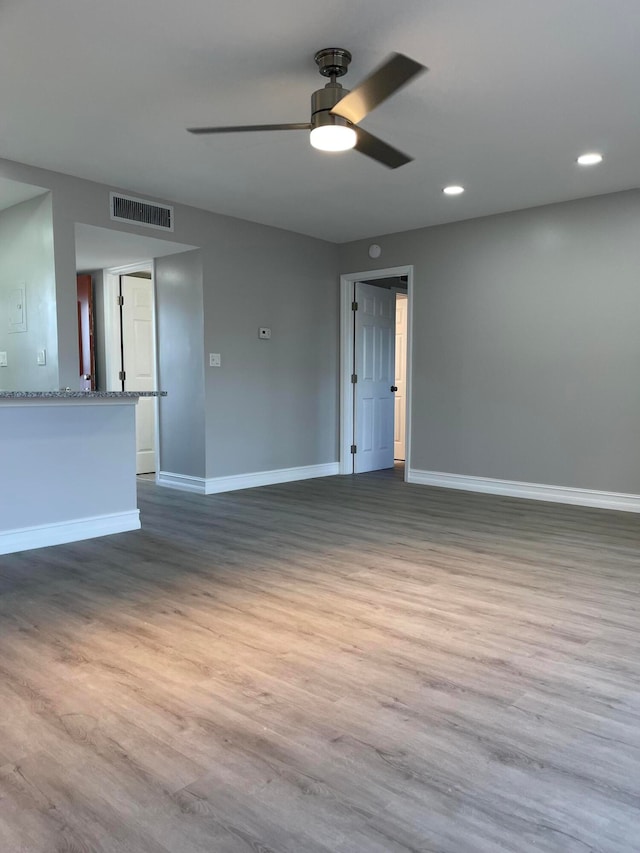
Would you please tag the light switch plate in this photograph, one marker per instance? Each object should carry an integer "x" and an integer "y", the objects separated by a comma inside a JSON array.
[
  {"x": 214, "y": 359},
  {"x": 3, "y": 359},
  {"x": 264, "y": 334},
  {"x": 42, "y": 357}
]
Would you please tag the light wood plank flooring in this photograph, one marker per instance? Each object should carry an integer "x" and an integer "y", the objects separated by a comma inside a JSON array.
[{"x": 352, "y": 665}]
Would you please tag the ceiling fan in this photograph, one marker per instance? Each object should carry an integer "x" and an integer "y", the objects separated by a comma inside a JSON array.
[{"x": 336, "y": 112}]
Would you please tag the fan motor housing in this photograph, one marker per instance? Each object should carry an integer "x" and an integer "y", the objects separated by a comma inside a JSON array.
[{"x": 324, "y": 100}]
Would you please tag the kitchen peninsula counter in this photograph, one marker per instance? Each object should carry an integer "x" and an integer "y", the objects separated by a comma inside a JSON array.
[
  {"x": 64, "y": 394},
  {"x": 67, "y": 466}
]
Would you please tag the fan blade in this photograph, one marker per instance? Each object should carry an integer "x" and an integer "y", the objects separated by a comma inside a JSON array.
[
  {"x": 392, "y": 75},
  {"x": 378, "y": 150},
  {"x": 243, "y": 128}
]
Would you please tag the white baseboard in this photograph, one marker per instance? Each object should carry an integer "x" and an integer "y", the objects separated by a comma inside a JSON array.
[
  {"x": 530, "y": 491},
  {"x": 214, "y": 485},
  {"x": 26, "y": 538},
  {"x": 183, "y": 482}
]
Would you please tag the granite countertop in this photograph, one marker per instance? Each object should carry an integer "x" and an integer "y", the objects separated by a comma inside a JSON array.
[{"x": 88, "y": 395}]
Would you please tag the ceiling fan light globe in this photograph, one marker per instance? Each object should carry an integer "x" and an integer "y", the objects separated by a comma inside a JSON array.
[{"x": 333, "y": 137}]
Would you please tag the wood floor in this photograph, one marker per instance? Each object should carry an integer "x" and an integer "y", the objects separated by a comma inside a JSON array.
[{"x": 352, "y": 665}]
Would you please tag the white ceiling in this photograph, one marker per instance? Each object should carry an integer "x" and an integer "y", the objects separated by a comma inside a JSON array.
[
  {"x": 516, "y": 90},
  {"x": 103, "y": 248}
]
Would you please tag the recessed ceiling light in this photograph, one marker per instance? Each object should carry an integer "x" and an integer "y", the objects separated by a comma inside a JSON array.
[
  {"x": 590, "y": 159},
  {"x": 455, "y": 189}
]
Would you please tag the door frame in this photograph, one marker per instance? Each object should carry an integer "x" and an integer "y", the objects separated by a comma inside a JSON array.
[
  {"x": 347, "y": 281},
  {"x": 111, "y": 290},
  {"x": 112, "y": 352}
]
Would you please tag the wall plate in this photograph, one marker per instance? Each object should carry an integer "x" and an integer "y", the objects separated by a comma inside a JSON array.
[{"x": 16, "y": 303}]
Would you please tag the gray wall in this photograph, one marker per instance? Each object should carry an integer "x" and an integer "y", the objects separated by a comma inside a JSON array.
[
  {"x": 272, "y": 404},
  {"x": 526, "y": 343},
  {"x": 27, "y": 258},
  {"x": 179, "y": 323}
]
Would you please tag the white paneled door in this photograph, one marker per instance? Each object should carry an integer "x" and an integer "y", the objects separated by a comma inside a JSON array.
[
  {"x": 400, "y": 419},
  {"x": 374, "y": 348},
  {"x": 138, "y": 357}
]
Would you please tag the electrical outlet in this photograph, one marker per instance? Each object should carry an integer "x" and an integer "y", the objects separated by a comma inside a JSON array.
[
  {"x": 42, "y": 357},
  {"x": 214, "y": 359},
  {"x": 3, "y": 359},
  {"x": 264, "y": 334}
]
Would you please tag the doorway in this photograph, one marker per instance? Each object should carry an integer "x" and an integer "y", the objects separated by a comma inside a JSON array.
[
  {"x": 375, "y": 408},
  {"x": 86, "y": 332},
  {"x": 400, "y": 397},
  {"x": 130, "y": 350}
]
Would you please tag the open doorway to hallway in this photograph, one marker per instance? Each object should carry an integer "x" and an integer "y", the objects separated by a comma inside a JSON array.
[
  {"x": 130, "y": 349},
  {"x": 375, "y": 369},
  {"x": 120, "y": 267},
  {"x": 400, "y": 397}
]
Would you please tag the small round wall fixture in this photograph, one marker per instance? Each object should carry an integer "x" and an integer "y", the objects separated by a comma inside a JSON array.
[
  {"x": 591, "y": 158},
  {"x": 454, "y": 189},
  {"x": 374, "y": 250}
]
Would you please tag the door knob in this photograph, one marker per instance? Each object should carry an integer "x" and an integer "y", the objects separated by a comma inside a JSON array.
[{"x": 394, "y": 388}]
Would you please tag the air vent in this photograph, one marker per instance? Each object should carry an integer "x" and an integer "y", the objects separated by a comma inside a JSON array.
[{"x": 137, "y": 211}]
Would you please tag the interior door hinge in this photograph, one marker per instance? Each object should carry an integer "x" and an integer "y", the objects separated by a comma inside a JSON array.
[
  {"x": 354, "y": 449},
  {"x": 354, "y": 306},
  {"x": 120, "y": 300},
  {"x": 122, "y": 375},
  {"x": 354, "y": 378}
]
